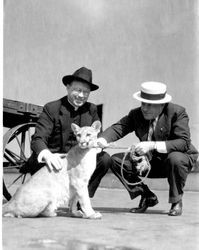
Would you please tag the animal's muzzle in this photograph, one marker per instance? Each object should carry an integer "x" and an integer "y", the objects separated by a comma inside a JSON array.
[{"x": 83, "y": 144}]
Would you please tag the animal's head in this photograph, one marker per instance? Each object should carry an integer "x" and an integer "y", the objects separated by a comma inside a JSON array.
[{"x": 86, "y": 136}]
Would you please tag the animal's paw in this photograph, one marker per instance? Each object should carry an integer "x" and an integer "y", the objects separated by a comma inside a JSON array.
[
  {"x": 53, "y": 214},
  {"x": 47, "y": 213},
  {"x": 78, "y": 214},
  {"x": 95, "y": 216},
  {"x": 11, "y": 215}
]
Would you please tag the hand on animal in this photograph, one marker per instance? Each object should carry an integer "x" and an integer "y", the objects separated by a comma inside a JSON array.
[
  {"x": 53, "y": 160},
  {"x": 144, "y": 147},
  {"x": 102, "y": 143}
]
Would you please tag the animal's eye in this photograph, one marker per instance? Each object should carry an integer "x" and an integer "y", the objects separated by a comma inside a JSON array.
[
  {"x": 78, "y": 135},
  {"x": 88, "y": 134}
]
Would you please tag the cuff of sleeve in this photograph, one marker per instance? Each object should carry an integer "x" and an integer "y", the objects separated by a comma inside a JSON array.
[
  {"x": 41, "y": 155},
  {"x": 102, "y": 140},
  {"x": 161, "y": 147}
]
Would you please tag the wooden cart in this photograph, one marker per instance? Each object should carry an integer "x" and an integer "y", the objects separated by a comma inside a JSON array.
[{"x": 19, "y": 121}]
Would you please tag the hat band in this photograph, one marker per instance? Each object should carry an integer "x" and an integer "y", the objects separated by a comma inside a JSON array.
[{"x": 152, "y": 96}]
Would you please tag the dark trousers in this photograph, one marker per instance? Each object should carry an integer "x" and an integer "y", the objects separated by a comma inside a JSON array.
[
  {"x": 103, "y": 163},
  {"x": 174, "y": 166}
]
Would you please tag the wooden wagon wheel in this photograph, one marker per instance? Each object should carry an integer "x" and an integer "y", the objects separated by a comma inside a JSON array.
[{"x": 16, "y": 151}]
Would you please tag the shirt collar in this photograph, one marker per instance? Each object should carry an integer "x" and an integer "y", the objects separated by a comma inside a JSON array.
[
  {"x": 156, "y": 119},
  {"x": 75, "y": 108}
]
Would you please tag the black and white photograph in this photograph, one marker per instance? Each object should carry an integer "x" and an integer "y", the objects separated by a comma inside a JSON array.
[{"x": 100, "y": 125}]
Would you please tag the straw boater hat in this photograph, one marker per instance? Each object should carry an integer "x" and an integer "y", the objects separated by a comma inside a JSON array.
[
  {"x": 84, "y": 75},
  {"x": 153, "y": 92}
]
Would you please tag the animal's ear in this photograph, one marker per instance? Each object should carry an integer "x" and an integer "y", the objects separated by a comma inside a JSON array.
[
  {"x": 75, "y": 128},
  {"x": 96, "y": 125}
]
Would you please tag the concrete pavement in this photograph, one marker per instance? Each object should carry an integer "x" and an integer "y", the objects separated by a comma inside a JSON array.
[{"x": 118, "y": 229}]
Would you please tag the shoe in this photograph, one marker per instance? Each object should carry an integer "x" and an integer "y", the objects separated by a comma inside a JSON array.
[
  {"x": 176, "y": 209},
  {"x": 145, "y": 202}
]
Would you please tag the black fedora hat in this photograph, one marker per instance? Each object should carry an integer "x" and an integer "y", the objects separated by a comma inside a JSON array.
[{"x": 84, "y": 75}]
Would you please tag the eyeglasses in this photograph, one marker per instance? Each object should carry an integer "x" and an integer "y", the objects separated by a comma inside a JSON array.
[{"x": 79, "y": 91}]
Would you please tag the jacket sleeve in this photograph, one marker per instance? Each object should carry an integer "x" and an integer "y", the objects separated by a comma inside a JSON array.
[
  {"x": 43, "y": 131},
  {"x": 119, "y": 129},
  {"x": 179, "y": 138}
]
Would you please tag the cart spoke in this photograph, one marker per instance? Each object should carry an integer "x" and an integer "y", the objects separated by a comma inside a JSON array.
[
  {"x": 21, "y": 145},
  {"x": 24, "y": 177},
  {"x": 9, "y": 159},
  {"x": 15, "y": 180},
  {"x": 8, "y": 165},
  {"x": 12, "y": 156}
]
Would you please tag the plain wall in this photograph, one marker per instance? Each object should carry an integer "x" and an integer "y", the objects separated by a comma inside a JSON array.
[{"x": 124, "y": 42}]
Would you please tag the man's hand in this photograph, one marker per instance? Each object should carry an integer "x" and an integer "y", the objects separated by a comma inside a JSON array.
[
  {"x": 102, "y": 143},
  {"x": 53, "y": 160},
  {"x": 144, "y": 147}
]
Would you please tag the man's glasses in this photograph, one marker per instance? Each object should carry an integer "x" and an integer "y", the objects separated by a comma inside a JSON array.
[{"x": 79, "y": 91}]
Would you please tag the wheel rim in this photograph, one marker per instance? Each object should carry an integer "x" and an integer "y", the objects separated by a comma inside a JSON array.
[{"x": 16, "y": 151}]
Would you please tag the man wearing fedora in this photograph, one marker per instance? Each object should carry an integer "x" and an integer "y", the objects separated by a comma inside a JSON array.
[
  {"x": 53, "y": 133},
  {"x": 163, "y": 130}
]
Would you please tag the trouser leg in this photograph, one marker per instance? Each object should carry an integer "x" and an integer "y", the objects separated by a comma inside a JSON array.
[
  {"x": 103, "y": 164},
  {"x": 177, "y": 166},
  {"x": 129, "y": 176},
  {"x": 32, "y": 165}
]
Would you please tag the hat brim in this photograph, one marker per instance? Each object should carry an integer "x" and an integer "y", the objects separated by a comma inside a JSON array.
[
  {"x": 138, "y": 97},
  {"x": 69, "y": 78}
]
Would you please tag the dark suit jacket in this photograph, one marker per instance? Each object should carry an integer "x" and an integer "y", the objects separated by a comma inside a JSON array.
[
  {"x": 53, "y": 129},
  {"x": 172, "y": 127}
]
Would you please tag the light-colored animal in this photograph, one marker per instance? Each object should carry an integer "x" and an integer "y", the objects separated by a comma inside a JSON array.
[{"x": 46, "y": 190}]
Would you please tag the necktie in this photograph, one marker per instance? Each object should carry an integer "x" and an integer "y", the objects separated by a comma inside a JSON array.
[
  {"x": 151, "y": 130},
  {"x": 150, "y": 136}
]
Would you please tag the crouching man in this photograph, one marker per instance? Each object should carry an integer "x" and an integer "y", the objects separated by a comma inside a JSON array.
[{"x": 163, "y": 130}]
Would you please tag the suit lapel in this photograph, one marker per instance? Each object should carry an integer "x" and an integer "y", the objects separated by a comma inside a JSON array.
[
  {"x": 144, "y": 132},
  {"x": 143, "y": 127},
  {"x": 65, "y": 121},
  {"x": 161, "y": 128}
]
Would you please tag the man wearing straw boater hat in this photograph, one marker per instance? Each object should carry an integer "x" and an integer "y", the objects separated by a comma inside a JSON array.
[
  {"x": 53, "y": 133},
  {"x": 163, "y": 130}
]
